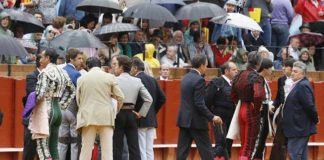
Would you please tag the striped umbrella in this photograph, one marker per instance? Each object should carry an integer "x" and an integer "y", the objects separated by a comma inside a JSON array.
[{"x": 116, "y": 28}]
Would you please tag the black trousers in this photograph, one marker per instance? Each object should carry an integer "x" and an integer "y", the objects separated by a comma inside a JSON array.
[
  {"x": 202, "y": 140},
  {"x": 223, "y": 145},
  {"x": 29, "y": 152},
  {"x": 263, "y": 133},
  {"x": 126, "y": 124}
]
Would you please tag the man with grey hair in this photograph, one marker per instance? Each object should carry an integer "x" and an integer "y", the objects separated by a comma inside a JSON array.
[
  {"x": 300, "y": 114},
  {"x": 171, "y": 58},
  {"x": 182, "y": 48}
]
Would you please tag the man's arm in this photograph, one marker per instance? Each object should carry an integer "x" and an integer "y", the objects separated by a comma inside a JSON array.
[
  {"x": 306, "y": 98},
  {"x": 41, "y": 86},
  {"x": 117, "y": 93},
  {"x": 147, "y": 98},
  {"x": 31, "y": 81},
  {"x": 199, "y": 102},
  {"x": 68, "y": 94}
]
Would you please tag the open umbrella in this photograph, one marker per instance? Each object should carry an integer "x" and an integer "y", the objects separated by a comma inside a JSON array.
[
  {"x": 239, "y": 21},
  {"x": 178, "y": 2},
  {"x": 99, "y": 6},
  {"x": 1, "y": 7},
  {"x": 309, "y": 38},
  {"x": 200, "y": 10},
  {"x": 11, "y": 47},
  {"x": 76, "y": 39},
  {"x": 116, "y": 27},
  {"x": 30, "y": 23},
  {"x": 150, "y": 11}
]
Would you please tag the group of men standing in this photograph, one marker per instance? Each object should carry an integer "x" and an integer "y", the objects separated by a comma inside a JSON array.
[
  {"x": 239, "y": 106},
  {"x": 94, "y": 103}
]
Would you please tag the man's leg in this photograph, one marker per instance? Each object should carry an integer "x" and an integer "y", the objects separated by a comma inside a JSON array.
[
  {"x": 88, "y": 137},
  {"x": 132, "y": 136},
  {"x": 297, "y": 148},
  {"x": 29, "y": 151},
  {"x": 184, "y": 143},
  {"x": 150, "y": 134},
  {"x": 142, "y": 142},
  {"x": 64, "y": 136},
  {"x": 202, "y": 139},
  {"x": 73, "y": 136},
  {"x": 55, "y": 122},
  {"x": 106, "y": 139},
  {"x": 119, "y": 133},
  {"x": 42, "y": 149}
]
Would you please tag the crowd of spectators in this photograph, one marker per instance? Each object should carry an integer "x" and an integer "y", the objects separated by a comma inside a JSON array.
[{"x": 176, "y": 43}]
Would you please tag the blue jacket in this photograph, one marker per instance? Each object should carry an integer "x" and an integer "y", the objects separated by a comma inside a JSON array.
[
  {"x": 299, "y": 113},
  {"x": 73, "y": 73},
  {"x": 68, "y": 8}
]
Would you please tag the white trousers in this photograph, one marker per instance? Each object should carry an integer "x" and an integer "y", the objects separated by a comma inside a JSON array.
[
  {"x": 146, "y": 139},
  {"x": 106, "y": 140}
]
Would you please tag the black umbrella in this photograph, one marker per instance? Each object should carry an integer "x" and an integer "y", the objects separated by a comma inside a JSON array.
[
  {"x": 178, "y": 2},
  {"x": 116, "y": 27},
  {"x": 30, "y": 23},
  {"x": 199, "y": 10},
  {"x": 11, "y": 47},
  {"x": 1, "y": 7},
  {"x": 76, "y": 39},
  {"x": 99, "y": 6},
  {"x": 150, "y": 11}
]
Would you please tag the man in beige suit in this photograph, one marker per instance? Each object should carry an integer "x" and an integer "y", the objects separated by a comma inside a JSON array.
[{"x": 96, "y": 113}]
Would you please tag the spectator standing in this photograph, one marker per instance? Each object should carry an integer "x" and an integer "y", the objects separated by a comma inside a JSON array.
[
  {"x": 281, "y": 17},
  {"x": 96, "y": 113},
  {"x": 147, "y": 125},
  {"x": 68, "y": 8},
  {"x": 310, "y": 10},
  {"x": 266, "y": 10},
  {"x": 225, "y": 30}
]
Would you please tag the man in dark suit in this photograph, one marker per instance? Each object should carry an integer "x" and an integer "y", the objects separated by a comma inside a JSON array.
[
  {"x": 147, "y": 125},
  {"x": 194, "y": 115},
  {"x": 29, "y": 151},
  {"x": 284, "y": 83},
  {"x": 218, "y": 100},
  {"x": 300, "y": 114}
]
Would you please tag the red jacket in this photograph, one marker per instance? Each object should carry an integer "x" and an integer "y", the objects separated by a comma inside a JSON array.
[
  {"x": 309, "y": 11},
  {"x": 221, "y": 56}
]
